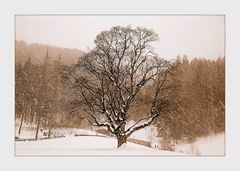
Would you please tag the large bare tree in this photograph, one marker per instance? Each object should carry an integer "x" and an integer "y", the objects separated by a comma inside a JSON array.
[{"x": 110, "y": 77}]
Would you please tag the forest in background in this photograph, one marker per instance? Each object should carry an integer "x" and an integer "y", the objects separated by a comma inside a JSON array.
[
  {"x": 37, "y": 51},
  {"x": 44, "y": 95}
]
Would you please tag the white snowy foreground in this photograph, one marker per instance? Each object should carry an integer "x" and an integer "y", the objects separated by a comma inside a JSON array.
[{"x": 85, "y": 145}]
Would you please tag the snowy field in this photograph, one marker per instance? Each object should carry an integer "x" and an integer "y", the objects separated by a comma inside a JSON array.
[
  {"x": 84, "y": 145},
  {"x": 96, "y": 144}
]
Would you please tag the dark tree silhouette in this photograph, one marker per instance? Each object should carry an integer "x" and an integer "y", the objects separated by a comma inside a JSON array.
[{"x": 110, "y": 77}]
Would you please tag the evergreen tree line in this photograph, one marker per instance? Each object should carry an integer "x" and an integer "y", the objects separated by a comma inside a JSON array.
[{"x": 197, "y": 98}]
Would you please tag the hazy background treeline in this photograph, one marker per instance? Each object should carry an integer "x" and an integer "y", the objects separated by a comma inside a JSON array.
[
  {"x": 45, "y": 97},
  {"x": 199, "y": 99},
  {"x": 37, "y": 51}
]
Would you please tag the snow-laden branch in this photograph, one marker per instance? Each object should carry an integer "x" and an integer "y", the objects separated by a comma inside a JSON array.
[
  {"x": 95, "y": 122},
  {"x": 142, "y": 123}
]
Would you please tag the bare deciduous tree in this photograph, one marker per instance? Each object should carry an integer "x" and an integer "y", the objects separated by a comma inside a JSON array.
[{"x": 111, "y": 76}]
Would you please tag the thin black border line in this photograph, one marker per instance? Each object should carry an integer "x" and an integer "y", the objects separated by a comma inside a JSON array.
[{"x": 123, "y": 14}]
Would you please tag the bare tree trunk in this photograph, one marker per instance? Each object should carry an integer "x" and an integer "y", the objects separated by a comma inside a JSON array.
[
  {"x": 28, "y": 113},
  {"x": 49, "y": 132},
  {"x": 38, "y": 125},
  {"x": 32, "y": 116},
  {"x": 20, "y": 127},
  {"x": 121, "y": 140}
]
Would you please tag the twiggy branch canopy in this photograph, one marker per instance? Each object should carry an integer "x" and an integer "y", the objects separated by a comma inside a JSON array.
[{"x": 111, "y": 75}]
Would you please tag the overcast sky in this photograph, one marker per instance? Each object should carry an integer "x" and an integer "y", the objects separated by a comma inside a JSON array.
[{"x": 194, "y": 36}]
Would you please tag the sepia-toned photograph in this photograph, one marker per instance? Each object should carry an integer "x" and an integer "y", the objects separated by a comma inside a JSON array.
[{"x": 119, "y": 85}]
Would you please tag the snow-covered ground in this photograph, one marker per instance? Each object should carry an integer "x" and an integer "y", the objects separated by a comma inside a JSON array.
[
  {"x": 95, "y": 145},
  {"x": 84, "y": 145},
  {"x": 211, "y": 145}
]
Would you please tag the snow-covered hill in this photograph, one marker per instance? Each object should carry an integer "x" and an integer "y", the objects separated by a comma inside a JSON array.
[{"x": 84, "y": 145}]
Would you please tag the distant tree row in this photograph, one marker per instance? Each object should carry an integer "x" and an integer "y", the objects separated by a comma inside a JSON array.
[
  {"x": 37, "y": 90},
  {"x": 37, "y": 51},
  {"x": 43, "y": 96},
  {"x": 198, "y": 100}
]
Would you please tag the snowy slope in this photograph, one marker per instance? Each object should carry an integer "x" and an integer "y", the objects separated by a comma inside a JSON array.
[
  {"x": 84, "y": 145},
  {"x": 211, "y": 145}
]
